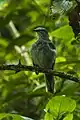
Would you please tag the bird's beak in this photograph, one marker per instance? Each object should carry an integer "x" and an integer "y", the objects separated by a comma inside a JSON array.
[{"x": 35, "y": 30}]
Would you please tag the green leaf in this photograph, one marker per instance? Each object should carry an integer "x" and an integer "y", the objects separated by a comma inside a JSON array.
[
  {"x": 8, "y": 116},
  {"x": 64, "y": 32},
  {"x": 58, "y": 107},
  {"x": 60, "y": 59},
  {"x": 69, "y": 117},
  {"x": 14, "y": 116},
  {"x": 69, "y": 88}
]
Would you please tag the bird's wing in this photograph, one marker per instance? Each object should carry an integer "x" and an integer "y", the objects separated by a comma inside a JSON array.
[
  {"x": 53, "y": 49},
  {"x": 52, "y": 46}
]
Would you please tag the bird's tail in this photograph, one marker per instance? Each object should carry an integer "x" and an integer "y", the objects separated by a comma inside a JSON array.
[{"x": 49, "y": 82}]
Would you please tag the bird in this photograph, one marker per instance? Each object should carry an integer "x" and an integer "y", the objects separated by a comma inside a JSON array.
[{"x": 43, "y": 53}]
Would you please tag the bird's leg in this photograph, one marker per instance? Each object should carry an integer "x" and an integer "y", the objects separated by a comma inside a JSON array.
[
  {"x": 36, "y": 66},
  {"x": 53, "y": 65}
]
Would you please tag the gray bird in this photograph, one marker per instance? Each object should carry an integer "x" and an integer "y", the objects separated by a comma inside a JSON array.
[{"x": 43, "y": 54}]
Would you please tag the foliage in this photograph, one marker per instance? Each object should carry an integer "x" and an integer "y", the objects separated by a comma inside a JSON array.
[
  {"x": 23, "y": 93},
  {"x": 60, "y": 107}
]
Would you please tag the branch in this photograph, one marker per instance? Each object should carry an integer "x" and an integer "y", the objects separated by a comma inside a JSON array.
[{"x": 19, "y": 67}]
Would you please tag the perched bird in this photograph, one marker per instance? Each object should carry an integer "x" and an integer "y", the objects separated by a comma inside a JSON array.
[{"x": 43, "y": 54}]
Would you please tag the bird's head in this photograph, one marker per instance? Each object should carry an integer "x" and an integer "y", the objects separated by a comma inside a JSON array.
[{"x": 42, "y": 32}]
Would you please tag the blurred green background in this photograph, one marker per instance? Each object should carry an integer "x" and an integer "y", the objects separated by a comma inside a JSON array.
[{"x": 24, "y": 92}]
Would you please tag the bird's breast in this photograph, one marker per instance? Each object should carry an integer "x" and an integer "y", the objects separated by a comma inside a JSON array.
[{"x": 42, "y": 55}]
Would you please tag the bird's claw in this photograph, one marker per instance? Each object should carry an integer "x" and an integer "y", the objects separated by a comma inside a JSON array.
[{"x": 36, "y": 69}]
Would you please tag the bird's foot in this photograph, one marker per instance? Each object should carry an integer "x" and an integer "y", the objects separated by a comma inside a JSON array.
[{"x": 36, "y": 69}]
